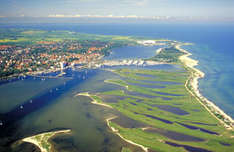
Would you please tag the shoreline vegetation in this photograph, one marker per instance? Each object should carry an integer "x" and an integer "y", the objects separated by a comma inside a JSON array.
[
  {"x": 193, "y": 87},
  {"x": 41, "y": 140}
]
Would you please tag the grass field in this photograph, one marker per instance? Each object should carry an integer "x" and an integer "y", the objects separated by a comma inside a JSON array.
[
  {"x": 21, "y": 36},
  {"x": 180, "y": 119}
]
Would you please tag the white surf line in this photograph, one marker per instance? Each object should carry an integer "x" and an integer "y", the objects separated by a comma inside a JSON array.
[
  {"x": 145, "y": 149},
  {"x": 193, "y": 80}
]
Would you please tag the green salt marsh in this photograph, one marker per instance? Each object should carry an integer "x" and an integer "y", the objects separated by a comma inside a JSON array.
[{"x": 195, "y": 127}]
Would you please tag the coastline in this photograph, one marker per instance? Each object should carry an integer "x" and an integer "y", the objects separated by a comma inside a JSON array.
[
  {"x": 192, "y": 86},
  {"x": 35, "y": 73},
  {"x": 41, "y": 140}
]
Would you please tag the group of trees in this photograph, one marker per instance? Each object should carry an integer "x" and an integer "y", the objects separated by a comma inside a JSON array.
[{"x": 169, "y": 55}]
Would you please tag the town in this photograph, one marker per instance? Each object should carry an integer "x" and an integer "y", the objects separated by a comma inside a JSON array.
[{"x": 49, "y": 55}]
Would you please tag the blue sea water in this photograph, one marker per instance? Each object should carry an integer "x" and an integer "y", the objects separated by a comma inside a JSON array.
[{"x": 213, "y": 47}]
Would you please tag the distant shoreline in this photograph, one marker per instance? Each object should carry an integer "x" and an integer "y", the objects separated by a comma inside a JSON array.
[{"x": 193, "y": 87}]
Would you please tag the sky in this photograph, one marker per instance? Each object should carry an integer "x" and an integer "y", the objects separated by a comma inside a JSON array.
[{"x": 148, "y": 8}]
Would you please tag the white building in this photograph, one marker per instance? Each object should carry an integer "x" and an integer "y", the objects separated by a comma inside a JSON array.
[{"x": 62, "y": 65}]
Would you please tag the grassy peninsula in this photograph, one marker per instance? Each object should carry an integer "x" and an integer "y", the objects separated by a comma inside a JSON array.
[{"x": 175, "y": 116}]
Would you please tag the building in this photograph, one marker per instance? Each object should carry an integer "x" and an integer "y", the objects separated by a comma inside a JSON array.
[{"x": 62, "y": 65}]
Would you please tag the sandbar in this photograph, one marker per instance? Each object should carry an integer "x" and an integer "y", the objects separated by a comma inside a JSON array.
[{"x": 41, "y": 140}]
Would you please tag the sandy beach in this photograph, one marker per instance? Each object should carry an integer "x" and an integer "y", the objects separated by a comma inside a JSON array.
[
  {"x": 41, "y": 140},
  {"x": 145, "y": 149},
  {"x": 192, "y": 82}
]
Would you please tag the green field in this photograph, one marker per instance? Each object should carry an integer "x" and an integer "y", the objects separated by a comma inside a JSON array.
[
  {"x": 169, "y": 55},
  {"x": 182, "y": 109},
  {"x": 22, "y": 36}
]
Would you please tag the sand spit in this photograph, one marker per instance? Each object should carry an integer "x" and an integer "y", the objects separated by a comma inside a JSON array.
[
  {"x": 41, "y": 140},
  {"x": 108, "y": 120},
  {"x": 94, "y": 100},
  {"x": 130, "y": 62},
  {"x": 192, "y": 86}
]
